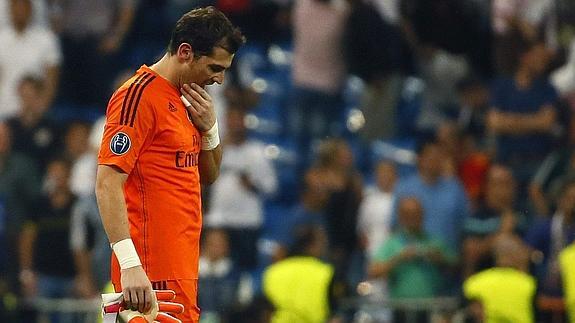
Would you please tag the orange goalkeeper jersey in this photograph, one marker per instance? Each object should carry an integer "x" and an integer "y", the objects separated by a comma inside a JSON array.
[{"x": 149, "y": 136}]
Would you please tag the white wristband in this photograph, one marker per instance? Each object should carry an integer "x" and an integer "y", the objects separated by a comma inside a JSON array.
[
  {"x": 211, "y": 138},
  {"x": 126, "y": 254},
  {"x": 185, "y": 101}
]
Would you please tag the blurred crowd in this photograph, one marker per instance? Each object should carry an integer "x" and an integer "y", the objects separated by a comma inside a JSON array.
[{"x": 422, "y": 148}]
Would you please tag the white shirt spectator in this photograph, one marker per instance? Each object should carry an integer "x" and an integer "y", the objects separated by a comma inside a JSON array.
[
  {"x": 374, "y": 219},
  {"x": 30, "y": 53},
  {"x": 564, "y": 77},
  {"x": 83, "y": 175},
  {"x": 232, "y": 205}
]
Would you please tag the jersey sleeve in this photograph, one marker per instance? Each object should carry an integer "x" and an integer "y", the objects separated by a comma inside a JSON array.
[{"x": 130, "y": 123}]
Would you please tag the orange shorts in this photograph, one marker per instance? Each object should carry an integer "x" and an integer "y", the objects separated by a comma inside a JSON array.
[{"x": 186, "y": 294}]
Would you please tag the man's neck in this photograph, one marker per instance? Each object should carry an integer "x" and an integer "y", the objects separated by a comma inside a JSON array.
[
  {"x": 30, "y": 120},
  {"x": 165, "y": 67},
  {"x": 20, "y": 28},
  {"x": 429, "y": 178},
  {"x": 388, "y": 189},
  {"x": 523, "y": 78}
]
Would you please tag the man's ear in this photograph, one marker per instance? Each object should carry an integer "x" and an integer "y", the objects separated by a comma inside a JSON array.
[{"x": 185, "y": 52}]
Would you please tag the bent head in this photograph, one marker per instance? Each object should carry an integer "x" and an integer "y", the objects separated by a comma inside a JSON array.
[
  {"x": 500, "y": 188},
  {"x": 410, "y": 213},
  {"x": 204, "y": 42}
]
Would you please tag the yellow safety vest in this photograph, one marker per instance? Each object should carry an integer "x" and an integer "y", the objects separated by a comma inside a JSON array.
[
  {"x": 298, "y": 288},
  {"x": 567, "y": 263},
  {"x": 505, "y": 293}
]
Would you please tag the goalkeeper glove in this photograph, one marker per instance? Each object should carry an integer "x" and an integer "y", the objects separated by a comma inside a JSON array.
[{"x": 113, "y": 306}]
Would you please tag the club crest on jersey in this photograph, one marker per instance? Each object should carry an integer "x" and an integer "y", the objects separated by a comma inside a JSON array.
[{"x": 120, "y": 143}]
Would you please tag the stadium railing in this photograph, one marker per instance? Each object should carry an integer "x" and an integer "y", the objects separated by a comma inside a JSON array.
[{"x": 380, "y": 311}]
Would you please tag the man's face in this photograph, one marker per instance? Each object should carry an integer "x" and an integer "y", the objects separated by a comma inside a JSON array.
[
  {"x": 21, "y": 11},
  {"x": 30, "y": 97},
  {"x": 411, "y": 215},
  {"x": 567, "y": 203},
  {"x": 537, "y": 59},
  {"x": 207, "y": 70},
  {"x": 386, "y": 176},
  {"x": 500, "y": 188},
  {"x": 431, "y": 159}
]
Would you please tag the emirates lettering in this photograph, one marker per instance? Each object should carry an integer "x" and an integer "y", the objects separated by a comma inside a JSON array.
[{"x": 186, "y": 159}]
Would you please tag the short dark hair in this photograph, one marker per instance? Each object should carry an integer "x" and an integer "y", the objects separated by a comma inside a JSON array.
[
  {"x": 304, "y": 236},
  {"x": 38, "y": 83},
  {"x": 468, "y": 83},
  {"x": 204, "y": 29},
  {"x": 423, "y": 143}
]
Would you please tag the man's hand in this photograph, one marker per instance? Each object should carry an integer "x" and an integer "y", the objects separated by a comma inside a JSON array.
[
  {"x": 199, "y": 105},
  {"x": 113, "y": 303},
  {"x": 137, "y": 290}
]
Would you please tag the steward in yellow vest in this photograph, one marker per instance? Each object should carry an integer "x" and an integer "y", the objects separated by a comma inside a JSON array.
[
  {"x": 300, "y": 285},
  {"x": 567, "y": 263},
  {"x": 505, "y": 292}
]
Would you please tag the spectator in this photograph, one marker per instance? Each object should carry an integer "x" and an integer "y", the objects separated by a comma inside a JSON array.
[
  {"x": 91, "y": 43},
  {"x": 495, "y": 215},
  {"x": 463, "y": 158},
  {"x": 442, "y": 197},
  {"x": 90, "y": 247},
  {"x": 26, "y": 50},
  {"x": 19, "y": 190},
  {"x": 506, "y": 292},
  {"x": 88, "y": 240},
  {"x": 523, "y": 115},
  {"x": 301, "y": 286},
  {"x": 412, "y": 261},
  {"x": 46, "y": 261},
  {"x": 549, "y": 236},
  {"x": 555, "y": 171},
  {"x": 374, "y": 51},
  {"x": 218, "y": 280},
  {"x": 236, "y": 203},
  {"x": 34, "y": 134},
  {"x": 75, "y": 140},
  {"x": 310, "y": 210},
  {"x": 449, "y": 139},
  {"x": 83, "y": 177},
  {"x": 473, "y": 100},
  {"x": 441, "y": 71},
  {"x": 439, "y": 32},
  {"x": 516, "y": 19},
  {"x": 334, "y": 170},
  {"x": 374, "y": 220},
  {"x": 318, "y": 70}
]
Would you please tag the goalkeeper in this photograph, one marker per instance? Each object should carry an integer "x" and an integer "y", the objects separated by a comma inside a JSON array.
[{"x": 160, "y": 142}]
